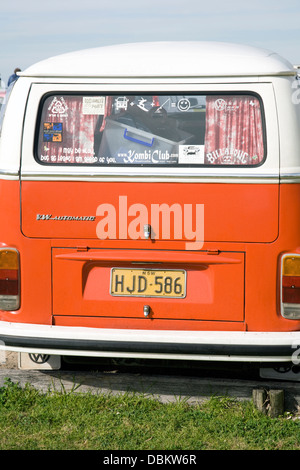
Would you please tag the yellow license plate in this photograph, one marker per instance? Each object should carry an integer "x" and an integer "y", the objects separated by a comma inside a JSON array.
[{"x": 148, "y": 282}]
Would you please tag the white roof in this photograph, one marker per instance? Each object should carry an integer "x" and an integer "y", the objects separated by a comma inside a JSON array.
[{"x": 164, "y": 59}]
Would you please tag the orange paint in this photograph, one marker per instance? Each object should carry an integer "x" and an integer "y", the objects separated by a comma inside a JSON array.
[{"x": 237, "y": 282}]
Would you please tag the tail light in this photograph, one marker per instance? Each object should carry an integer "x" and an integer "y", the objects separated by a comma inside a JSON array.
[
  {"x": 290, "y": 286},
  {"x": 9, "y": 279}
]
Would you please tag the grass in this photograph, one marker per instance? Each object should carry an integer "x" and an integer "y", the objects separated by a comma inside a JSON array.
[{"x": 32, "y": 420}]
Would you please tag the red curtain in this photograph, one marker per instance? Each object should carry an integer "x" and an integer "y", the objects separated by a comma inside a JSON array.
[
  {"x": 234, "y": 132},
  {"x": 75, "y": 141},
  {"x": 107, "y": 112}
]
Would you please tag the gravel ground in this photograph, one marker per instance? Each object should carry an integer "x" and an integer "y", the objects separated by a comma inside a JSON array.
[{"x": 8, "y": 360}]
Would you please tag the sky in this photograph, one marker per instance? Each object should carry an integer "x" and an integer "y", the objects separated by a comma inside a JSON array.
[{"x": 34, "y": 30}]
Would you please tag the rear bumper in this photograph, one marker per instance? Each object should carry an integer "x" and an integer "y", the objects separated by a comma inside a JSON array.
[{"x": 151, "y": 344}]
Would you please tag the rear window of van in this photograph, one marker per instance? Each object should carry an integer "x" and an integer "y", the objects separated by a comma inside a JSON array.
[{"x": 151, "y": 130}]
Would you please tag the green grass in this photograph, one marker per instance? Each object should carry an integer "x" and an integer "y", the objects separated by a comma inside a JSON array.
[{"x": 31, "y": 420}]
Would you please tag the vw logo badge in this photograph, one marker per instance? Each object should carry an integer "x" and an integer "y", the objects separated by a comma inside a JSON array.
[{"x": 39, "y": 358}]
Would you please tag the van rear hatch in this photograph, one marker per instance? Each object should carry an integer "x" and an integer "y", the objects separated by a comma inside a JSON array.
[
  {"x": 146, "y": 244},
  {"x": 243, "y": 213},
  {"x": 175, "y": 285}
]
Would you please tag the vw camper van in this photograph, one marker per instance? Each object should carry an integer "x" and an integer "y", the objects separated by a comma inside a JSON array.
[{"x": 150, "y": 201}]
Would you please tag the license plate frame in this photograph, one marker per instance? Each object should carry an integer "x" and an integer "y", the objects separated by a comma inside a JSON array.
[{"x": 166, "y": 283}]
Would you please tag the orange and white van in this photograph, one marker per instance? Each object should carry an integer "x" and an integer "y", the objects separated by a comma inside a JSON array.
[{"x": 150, "y": 201}]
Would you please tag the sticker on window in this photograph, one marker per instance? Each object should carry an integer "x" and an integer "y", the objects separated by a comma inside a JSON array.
[
  {"x": 93, "y": 105},
  {"x": 191, "y": 154},
  {"x": 53, "y": 132},
  {"x": 58, "y": 106},
  {"x": 152, "y": 130}
]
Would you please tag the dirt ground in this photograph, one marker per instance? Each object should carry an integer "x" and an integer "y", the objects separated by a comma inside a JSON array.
[{"x": 9, "y": 360}]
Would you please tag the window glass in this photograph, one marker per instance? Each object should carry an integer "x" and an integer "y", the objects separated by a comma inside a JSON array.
[
  {"x": 155, "y": 130},
  {"x": 4, "y": 95}
]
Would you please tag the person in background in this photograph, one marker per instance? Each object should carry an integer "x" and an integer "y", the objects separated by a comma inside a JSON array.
[{"x": 13, "y": 77}]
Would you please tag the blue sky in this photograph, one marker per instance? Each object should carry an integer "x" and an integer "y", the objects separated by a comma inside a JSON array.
[{"x": 32, "y": 31}]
